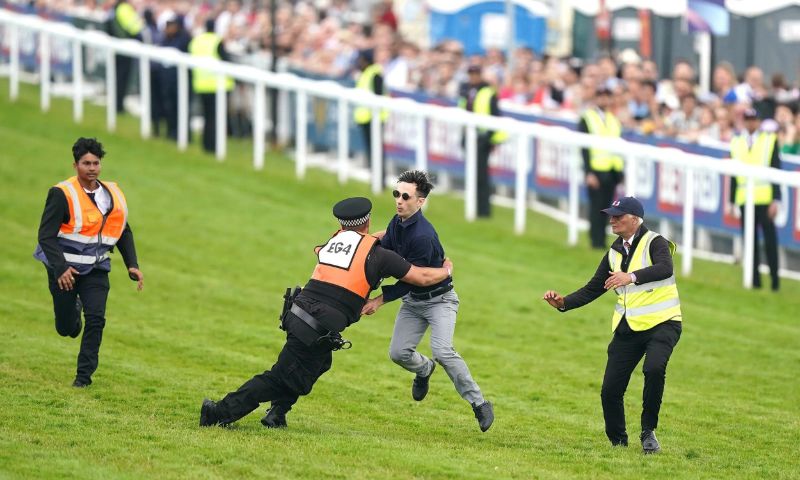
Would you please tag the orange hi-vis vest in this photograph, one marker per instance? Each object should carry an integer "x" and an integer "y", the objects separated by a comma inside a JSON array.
[
  {"x": 89, "y": 235},
  {"x": 342, "y": 261}
]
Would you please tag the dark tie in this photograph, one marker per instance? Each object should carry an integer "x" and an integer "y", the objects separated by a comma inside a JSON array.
[
  {"x": 627, "y": 246},
  {"x": 91, "y": 196}
]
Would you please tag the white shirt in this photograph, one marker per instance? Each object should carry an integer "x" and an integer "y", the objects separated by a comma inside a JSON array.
[
  {"x": 101, "y": 198},
  {"x": 630, "y": 242}
]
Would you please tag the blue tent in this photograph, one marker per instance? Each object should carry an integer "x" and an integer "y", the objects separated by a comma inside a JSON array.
[{"x": 481, "y": 24}]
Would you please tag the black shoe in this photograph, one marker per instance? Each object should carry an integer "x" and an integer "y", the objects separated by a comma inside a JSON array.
[
  {"x": 619, "y": 443},
  {"x": 485, "y": 415},
  {"x": 208, "y": 413},
  {"x": 420, "y": 386},
  {"x": 79, "y": 322},
  {"x": 649, "y": 442},
  {"x": 78, "y": 383},
  {"x": 275, "y": 417}
]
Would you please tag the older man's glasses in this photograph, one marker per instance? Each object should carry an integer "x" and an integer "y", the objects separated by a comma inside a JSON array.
[{"x": 397, "y": 194}]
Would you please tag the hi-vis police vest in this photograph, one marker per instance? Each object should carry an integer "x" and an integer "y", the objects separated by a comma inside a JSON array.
[
  {"x": 204, "y": 81},
  {"x": 602, "y": 160},
  {"x": 342, "y": 261},
  {"x": 362, "y": 115},
  {"x": 644, "y": 306},
  {"x": 89, "y": 235},
  {"x": 759, "y": 155}
]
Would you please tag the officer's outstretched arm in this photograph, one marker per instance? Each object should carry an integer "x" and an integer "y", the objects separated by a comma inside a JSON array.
[{"x": 426, "y": 276}]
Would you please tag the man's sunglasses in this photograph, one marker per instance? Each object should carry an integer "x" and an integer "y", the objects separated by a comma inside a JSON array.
[{"x": 397, "y": 194}]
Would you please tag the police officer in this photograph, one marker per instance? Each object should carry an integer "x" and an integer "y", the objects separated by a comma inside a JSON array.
[
  {"x": 83, "y": 220},
  {"x": 646, "y": 320},
  {"x": 479, "y": 97},
  {"x": 371, "y": 80},
  {"x": 204, "y": 82},
  {"x": 349, "y": 266},
  {"x": 604, "y": 170},
  {"x": 124, "y": 23},
  {"x": 759, "y": 148}
]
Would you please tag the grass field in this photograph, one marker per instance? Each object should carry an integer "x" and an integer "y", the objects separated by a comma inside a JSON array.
[{"x": 218, "y": 243}]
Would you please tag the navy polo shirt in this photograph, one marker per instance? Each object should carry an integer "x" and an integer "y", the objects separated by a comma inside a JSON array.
[{"x": 415, "y": 240}]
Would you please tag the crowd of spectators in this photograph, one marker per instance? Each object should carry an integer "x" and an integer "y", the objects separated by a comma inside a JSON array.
[{"x": 323, "y": 37}]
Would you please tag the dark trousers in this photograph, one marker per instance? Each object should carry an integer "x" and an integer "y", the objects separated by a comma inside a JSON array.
[
  {"x": 366, "y": 131},
  {"x": 92, "y": 289},
  {"x": 123, "y": 71},
  {"x": 294, "y": 374},
  {"x": 599, "y": 199},
  {"x": 624, "y": 353},
  {"x": 770, "y": 245},
  {"x": 209, "y": 103},
  {"x": 484, "y": 183}
]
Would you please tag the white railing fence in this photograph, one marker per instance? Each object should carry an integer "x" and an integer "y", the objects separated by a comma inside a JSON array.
[{"x": 347, "y": 98}]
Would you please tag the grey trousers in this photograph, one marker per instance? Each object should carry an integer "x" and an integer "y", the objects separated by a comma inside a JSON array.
[{"x": 439, "y": 313}]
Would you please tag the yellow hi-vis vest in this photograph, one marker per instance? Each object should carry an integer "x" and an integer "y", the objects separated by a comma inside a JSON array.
[
  {"x": 759, "y": 155},
  {"x": 482, "y": 104},
  {"x": 362, "y": 115},
  {"x": 127, "y": 21},
  {"x": 644, "y": 306},
  {"x": 602, "y": 160},
  {"x": 204, "y": 81}
]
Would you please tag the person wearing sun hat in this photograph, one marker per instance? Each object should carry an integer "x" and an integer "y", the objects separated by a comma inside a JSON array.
[
  {"x": 349, "y": 265},
  {"x": 647, "y": 319}
]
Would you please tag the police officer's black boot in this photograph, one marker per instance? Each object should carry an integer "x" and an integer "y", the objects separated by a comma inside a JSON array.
[
  {"x": 649, "y": 442},
  {"x": 208, "y": 413},
  {"x": 275, "y": 417},
  {"x": 485, "y": 415}
]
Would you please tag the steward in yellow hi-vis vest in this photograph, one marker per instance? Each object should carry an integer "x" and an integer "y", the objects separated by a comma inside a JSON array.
[
  {"x": 758, "y": 149},
  {"x": 349, "y": 265},
  {"x": 83, "y": 220},
  {"x": 371, "y": 80},
  {"x": 646, "y": 322},
  {"x": 603, "y": 169},
  {"x": 479, "y": 97},
  {"x": 123, "y": 22},
  {"x": 204, "y": 82}
]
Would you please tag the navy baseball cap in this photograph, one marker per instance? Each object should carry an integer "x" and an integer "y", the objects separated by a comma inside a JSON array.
[{"x": 625, "y": 205}]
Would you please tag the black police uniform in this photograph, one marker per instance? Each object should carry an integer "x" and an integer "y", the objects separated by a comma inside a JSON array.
[{"x": 307, "y": 352}]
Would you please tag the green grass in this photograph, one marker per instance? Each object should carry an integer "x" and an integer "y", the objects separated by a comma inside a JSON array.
[{"x": 218, "y": 243}]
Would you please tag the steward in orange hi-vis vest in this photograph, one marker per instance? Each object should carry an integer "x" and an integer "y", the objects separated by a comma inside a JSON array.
[
  {"x": 82, "y": 221},
  {"x": 88, "y": 236}
]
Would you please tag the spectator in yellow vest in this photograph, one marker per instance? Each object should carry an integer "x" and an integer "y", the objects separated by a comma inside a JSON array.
[
  {"x": 479, "y": 97},
  {"x": 204, "y": 82},
  {"x": 759, "y": 148},
  {"x": 370, "y": 79},
  {"x": 646, "y": 321},
  {"x": 604, "y": 170}
]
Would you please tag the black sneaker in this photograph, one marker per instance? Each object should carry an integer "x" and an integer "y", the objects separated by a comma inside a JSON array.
[
  {"x": 79, "y": 321},
  {"x": 275, "y": 417},
  {"x": 420, "y": 386},
  {"x": 485, "y": 415},
  {"x": 208, "y": 413},
  {"x": 78, "y": 383},
  {"x": 649, "y": 442}
]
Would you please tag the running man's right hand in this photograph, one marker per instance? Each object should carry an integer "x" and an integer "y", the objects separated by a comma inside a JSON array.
[
  {"x": 67, "y": 279},
  {"x": 554, "y": 299}
]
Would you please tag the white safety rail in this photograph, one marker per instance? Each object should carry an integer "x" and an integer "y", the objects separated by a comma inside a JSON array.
[{"x": 347, "y": 98}]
